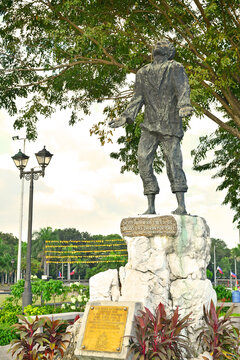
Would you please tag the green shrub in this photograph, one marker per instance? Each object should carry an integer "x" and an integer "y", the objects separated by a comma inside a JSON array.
[
  {"x": 9, "y": 312},
  {"x": 223, "y": 293},
  {"x": 7, "y": 334},
  {"x": 41, "y": 310},
  {"x": 17, "y": 291},
  {"x": 209, "y": 274}
]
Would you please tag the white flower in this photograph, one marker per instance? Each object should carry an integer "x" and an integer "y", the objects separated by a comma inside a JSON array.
[
  {"x": 63, "y": 306},
  {"x": 85, "y": 298},
  {"x": 76, "y": 283},
  {"x": 79, "y": 298},
  {"x": 73, "y": 307},
  {"x": 73, "y": 300}
]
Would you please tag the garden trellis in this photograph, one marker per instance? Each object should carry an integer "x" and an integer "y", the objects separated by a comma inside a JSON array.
[{"x": 85, "y": 251}]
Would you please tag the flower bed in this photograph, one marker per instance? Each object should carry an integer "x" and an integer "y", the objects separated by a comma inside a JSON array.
[{"x": 11, "y": 308}]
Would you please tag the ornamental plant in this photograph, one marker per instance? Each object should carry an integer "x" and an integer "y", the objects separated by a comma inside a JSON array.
[
  {"x": 158, "y": 335},
  {"x": 34, "y": 345},
  {"x": 218, "y": 335},
  {"x": 54, "y": 331},
  {"x": 79, "y": 298},
  {"x": 26, "y": 348}
]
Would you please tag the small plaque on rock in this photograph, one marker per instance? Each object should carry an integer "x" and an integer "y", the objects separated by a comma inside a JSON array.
[
  {"x": 105, "y": 330},
  {"x": 149, "y": 226}
]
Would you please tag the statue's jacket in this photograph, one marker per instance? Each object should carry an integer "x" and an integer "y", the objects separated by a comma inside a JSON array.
[{"x": 163, "y": 89}]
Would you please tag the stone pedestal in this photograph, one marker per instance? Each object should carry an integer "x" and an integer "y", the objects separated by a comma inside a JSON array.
[{"x": 167, "y": 261}]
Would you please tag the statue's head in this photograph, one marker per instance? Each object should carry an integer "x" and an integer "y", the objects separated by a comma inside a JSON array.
[{"x": 164, "y": 47}]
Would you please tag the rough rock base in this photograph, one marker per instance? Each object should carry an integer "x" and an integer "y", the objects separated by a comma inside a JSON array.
[{"x": 163, "y": 268}]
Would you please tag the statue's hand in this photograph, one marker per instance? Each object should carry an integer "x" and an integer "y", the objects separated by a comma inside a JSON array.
[
  {"x": 185, "y": 111},
  {"x": 118, "y": 122}
]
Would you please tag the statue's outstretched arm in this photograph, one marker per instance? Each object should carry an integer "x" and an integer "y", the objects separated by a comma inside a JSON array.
[{"x": 135, "y": 104}]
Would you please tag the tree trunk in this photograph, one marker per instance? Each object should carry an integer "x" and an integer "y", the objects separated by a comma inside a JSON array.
[{"x": 68, "y": 271}]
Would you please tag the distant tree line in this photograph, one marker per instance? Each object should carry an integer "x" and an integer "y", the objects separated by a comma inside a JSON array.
[
  {"x": 225, "y": 257},
  {"x": 39, "y": 266}
]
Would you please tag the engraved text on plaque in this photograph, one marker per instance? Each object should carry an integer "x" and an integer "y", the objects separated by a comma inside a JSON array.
[
  {"x": 105, "y": 328},
  {"x": 149, "y": 226}
]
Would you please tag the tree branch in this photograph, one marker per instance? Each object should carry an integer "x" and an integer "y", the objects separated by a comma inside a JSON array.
[
  {"x": 82, "y": 32},
  {"x": 219, "y": 98},
  {"x": 190, "y": 12},
  {"x": 225, "y": 126},
  {"x": 66, "y": 65},
  {"x": 200, "y": 8}
]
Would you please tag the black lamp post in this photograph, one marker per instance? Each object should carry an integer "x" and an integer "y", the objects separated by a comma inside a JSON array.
[{"x": 20, "y": 160}]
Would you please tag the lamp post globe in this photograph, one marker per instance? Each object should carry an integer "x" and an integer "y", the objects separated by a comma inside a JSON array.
[
  {"x": 43, "y": 158},
  {"x": 20, "y": 160}
]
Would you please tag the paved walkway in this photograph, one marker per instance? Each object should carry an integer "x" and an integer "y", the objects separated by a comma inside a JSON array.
[{"x": 4, "y": 354}]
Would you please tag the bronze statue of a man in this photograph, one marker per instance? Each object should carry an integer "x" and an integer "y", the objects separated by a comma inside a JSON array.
[{"x": 163, "y": 88}]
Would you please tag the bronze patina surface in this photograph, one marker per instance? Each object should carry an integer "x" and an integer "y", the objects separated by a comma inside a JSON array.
[
  {"x": 149, "y": 226},
  {"x": 105, "y": 328}
]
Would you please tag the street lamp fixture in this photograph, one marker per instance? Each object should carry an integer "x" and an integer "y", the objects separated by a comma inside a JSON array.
[
  {"x": 43, "y": 158},
  {"x": 20, "y": 160}
]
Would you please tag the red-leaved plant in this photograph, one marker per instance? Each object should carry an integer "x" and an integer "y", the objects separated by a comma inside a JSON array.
[
  {"x": 219, "y": 336},
  {"x": 53, "y": 331},
  {"x": 159, "y": 336},
  {"x": 35, "y": 345}
]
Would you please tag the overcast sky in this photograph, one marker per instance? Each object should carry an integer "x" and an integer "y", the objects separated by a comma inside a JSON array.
[{"x": 83, "y": 187}]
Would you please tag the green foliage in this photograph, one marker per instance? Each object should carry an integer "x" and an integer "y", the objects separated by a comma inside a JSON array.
[
  {"x": 60, "y": 55},
  {"x": 17, "y": 290},
  {"x": 111, "y": 262},
  {"x": 39, "y": 243},
  {"x": 34, "y": 345},
  {"x": 223, "y": 293},
  {"x": 7, "y": 334},
  {"x": 46, "y": 289},
  {"x": 9, "y": 312},
  {"x": 31, "y": 310},
  {"x": 159, "y": 335},
  {"x": 209, "y": 274},
  {"x": 221, "y": 152},
  {"x": 224, "y": 258},
  {"x": 218, "y": 334},
  {"x": 53, "y": 288},
  {"x": 79, "y": 298},
  {"x": 8, "y": 253}
]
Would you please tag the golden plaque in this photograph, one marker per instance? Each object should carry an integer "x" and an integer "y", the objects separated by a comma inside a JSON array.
[{"x": 105, "y": 327}]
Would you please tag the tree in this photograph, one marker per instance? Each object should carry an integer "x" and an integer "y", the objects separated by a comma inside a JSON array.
[
  {"x": 225, "y": 160},
  {"x": 39, "y": 245},
  {"x": 222, "y": 253},
  {"x": 8, "y": 254},
  {"x": 57, "y": 53},
  {"x": 72, "y": 234},
  {"x": 235, "y": 252}
]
